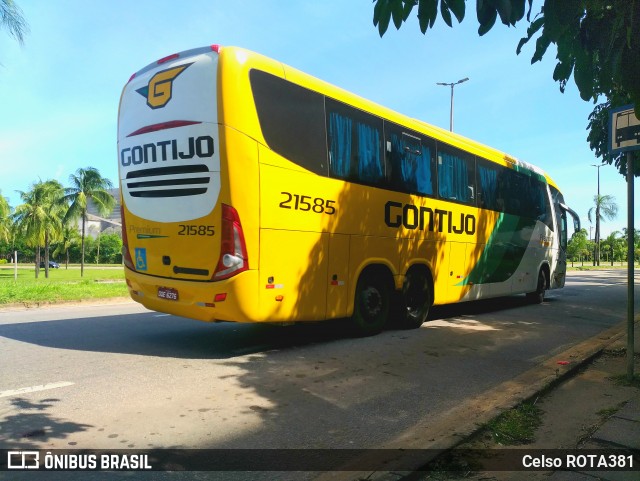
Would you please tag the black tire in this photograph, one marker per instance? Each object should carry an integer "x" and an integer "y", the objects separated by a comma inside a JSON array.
[
  {"x": 416, "y": 299},
  {"x": 537, "y": 297},
  {"x": 371, "y": 305}
]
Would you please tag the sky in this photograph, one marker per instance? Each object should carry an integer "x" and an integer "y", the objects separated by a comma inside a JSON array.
[{"x": 59, "y": 93}]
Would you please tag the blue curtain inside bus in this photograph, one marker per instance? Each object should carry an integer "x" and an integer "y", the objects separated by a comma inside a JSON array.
[
  {"x": 453, "y": 178},
  {"x": 340, "y": 150},
  {"x": 369, "y": 159},
  {"x": 414, "y": 166},
  {"x": 488, "y": 187}
]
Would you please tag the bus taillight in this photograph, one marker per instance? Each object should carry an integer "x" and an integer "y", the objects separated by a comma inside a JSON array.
[
  {"x": 233, "y": 250},
  {"x": 126, "y": 257}
]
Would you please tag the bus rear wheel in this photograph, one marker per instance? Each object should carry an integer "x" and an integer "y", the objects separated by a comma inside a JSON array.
[
  {"x": 416, "y": 299},
  {"x": 371, "y": 306},
  {"x": 537, "y": 296}
]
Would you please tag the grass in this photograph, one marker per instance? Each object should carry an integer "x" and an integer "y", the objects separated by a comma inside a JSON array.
[
  {"x": 604, "y": 266},
  {"x": 62, "y": 284},
  {"x": 516, "y": 426}
]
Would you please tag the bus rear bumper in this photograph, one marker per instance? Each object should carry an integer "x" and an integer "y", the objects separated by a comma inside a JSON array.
[{"x": 203, "y": 301}]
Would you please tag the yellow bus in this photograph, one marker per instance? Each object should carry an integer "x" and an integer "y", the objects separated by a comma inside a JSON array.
[{"x": 252, "y": 192}]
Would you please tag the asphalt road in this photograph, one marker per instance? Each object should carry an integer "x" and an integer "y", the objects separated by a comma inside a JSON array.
[{"x": 116, "y": 376}]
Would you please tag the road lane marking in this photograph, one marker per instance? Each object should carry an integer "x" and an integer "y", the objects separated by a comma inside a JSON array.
[{"x": 42, "y": 387}]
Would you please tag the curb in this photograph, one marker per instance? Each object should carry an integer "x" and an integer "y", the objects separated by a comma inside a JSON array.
[{"x": 24, "y": 306}]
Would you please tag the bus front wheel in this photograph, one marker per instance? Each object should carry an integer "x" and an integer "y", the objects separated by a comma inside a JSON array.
[
  {"x": 537, "y": 296},
  {"x": 371, "y": 306}
]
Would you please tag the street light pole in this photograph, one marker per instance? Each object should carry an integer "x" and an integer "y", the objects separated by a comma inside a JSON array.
[
  {"x": 452, "y": 84},
  {"x": 596, "y": 254}
]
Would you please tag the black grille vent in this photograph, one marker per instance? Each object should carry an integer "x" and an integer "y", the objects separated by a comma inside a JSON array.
[{"x": 149, "y": 188}]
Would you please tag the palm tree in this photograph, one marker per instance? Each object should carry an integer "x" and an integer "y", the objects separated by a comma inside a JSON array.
[
  {"x": 5, "y": 219},
  {"x": 69, "y": 237},
  {"x": 12, "y": 20},
  {"x": 87, "y": 184},
  {"x": 605, "y": 208},
  {"x": 39, "y": 218}
]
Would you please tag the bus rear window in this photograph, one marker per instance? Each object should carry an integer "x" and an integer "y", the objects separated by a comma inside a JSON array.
[{"x": 292, "y": 120}]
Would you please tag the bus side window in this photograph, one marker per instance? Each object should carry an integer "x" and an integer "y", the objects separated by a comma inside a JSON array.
[
  {"x": 355, "y": 144},
  {"x": 487, "y": 185},
  {"x": 456, "y": 176},
  {"x": 411, "y": 162},
  {"x": 340, "y": 138}
]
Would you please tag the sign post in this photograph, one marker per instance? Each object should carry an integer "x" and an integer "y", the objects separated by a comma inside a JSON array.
[{"x": 624, "y": 136}]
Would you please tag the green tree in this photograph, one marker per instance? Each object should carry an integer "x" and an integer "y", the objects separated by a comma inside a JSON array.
[
  {"x": 5, "y": 218},
  {"x": 636, "y": 241},
  {"x": 111, "y": 248},
  {"x": 39, "y": 218},
  {"x": 597, "y": 41},
  {"x": 609, "y": 244},
  {"x": 69, "y": 237},
  {"x": 12, "y": 20},
  {"x": 605, "y": 208},
  {"x": 87, "y": 185},
  {"x": 577, "y": 244}
]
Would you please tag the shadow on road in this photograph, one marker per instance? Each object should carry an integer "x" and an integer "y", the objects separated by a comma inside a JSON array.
[
  {"x": 151, "y": 334},
  {"x": 18, "y": 430}
]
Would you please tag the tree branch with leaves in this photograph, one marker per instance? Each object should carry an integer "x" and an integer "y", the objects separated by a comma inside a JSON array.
[{"x": 597, "y": 42}]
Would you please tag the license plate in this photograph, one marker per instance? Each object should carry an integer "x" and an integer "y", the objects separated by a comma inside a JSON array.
[{"x": 168, "y": 293}]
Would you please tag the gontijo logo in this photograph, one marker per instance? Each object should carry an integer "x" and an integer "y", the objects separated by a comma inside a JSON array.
[{"x": 159, "y": 89}]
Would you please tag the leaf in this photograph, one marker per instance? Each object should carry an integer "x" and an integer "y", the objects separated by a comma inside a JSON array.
[
  {"x": 427, "y": 14},
  {"x": 397, "y": 12},
  {"x": 529, "y": 12},
  {"x": 542, "y": 44},
  {"x": 408, "y": 7},
  {"x": 458, "y": 8},
  {"x": 488, "y": 23},
  {"x": 535, "y": 26},
  {"x": 446, "y": 14},
  {"x": 553, "y": 28},
  {"x": 517, "y": 10},
  {"x": 484, "y": 12},
  {"x": 377, "y": 10},
  {"x": 504, "y": 10},
  {"x": 383, "y": 16},
  {"x": 562, "y": 72},
  {"x": 584, "y": 75},
  {"x": 531, "y": 31}
]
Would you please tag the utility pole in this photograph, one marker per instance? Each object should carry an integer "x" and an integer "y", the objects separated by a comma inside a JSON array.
[
  {"x": 453, "y": 84},
  {"x": 596, "y": 249}
]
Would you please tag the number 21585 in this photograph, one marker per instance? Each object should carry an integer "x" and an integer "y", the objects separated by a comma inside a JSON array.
[{"x": 306, "y": 203}]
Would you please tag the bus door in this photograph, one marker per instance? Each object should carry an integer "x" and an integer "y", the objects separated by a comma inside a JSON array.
[{"x": 563, "y": 239}]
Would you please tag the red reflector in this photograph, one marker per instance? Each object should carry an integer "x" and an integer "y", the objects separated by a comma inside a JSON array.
[
  {"x": 220, "y": 297},
  {"x": 166, "y": 59},
  {"x": 216, "y": 48},
  {"x": 172, "y": 124},
  {"x": 270, "y": 286}
]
